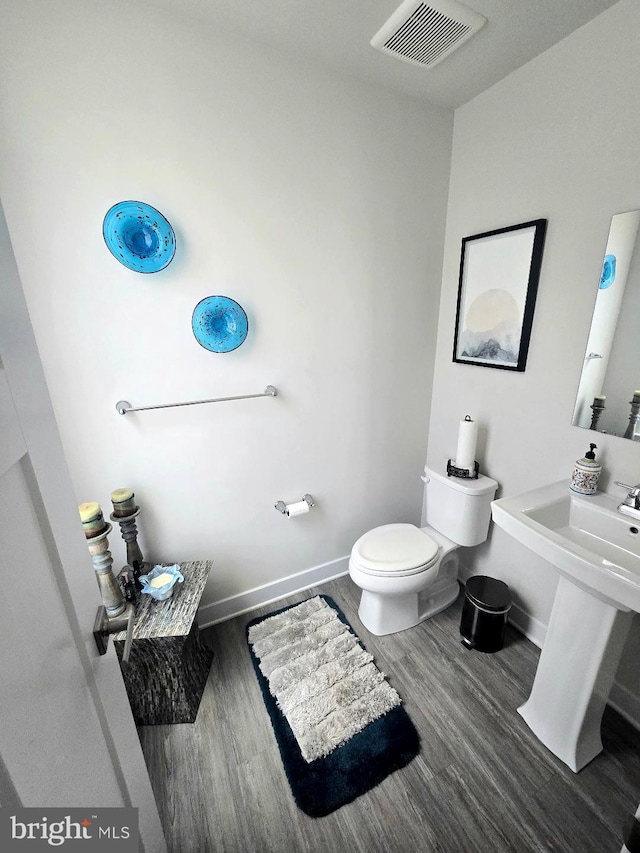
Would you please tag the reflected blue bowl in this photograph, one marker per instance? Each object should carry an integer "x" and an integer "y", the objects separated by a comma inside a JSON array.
[
  {"x": 139, "y": 236},
  {"x": 608, "y": 272},
  {"x": 219, "y": 324}
]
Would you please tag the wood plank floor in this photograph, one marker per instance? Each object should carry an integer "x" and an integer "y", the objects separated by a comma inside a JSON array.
[{"x": 482, "y": 781}]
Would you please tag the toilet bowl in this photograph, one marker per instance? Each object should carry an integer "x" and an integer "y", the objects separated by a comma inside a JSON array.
[
  {"x": 409, "y": 573},
  {"x": 406, "y": 574}
]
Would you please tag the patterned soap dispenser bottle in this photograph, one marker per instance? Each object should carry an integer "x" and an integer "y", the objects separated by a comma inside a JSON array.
[{"x": 586, "y": 473}]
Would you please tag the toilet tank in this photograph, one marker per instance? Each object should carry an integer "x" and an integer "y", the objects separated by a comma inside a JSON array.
[{"x": 458, "y": 508}]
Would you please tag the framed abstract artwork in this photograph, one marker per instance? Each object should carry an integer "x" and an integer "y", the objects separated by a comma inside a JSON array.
[{"x": 499, "y": 273}]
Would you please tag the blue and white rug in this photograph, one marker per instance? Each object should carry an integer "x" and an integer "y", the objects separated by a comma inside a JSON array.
[{"x": 339, "y": 724}]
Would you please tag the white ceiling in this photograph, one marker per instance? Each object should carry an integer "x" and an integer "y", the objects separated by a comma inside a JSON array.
[{"x": 337, "y": 34}]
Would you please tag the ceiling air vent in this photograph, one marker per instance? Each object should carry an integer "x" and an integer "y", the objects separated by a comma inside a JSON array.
[{"x": 426, "y": 33}]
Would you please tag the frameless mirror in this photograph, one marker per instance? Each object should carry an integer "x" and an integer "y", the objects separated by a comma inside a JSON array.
[{"x": 608, "y": 397}]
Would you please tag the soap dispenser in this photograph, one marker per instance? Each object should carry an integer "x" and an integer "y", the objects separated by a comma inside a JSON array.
[{"x": 586, "y": 473}]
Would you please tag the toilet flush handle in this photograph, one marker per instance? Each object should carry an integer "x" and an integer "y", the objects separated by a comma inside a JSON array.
[{"x": 424, "y": 478}]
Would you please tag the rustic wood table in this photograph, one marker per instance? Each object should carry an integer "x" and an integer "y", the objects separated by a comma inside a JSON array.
[{"x": 168, "y": 665}]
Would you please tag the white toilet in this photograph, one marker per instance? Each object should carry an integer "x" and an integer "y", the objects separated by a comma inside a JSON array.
[{"x": 408, "y": 573}]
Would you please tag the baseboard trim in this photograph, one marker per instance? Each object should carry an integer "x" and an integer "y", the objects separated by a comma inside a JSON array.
[
  {"x": 244, "y": 602},
  {"x": 626, "y": 703},
  {"x": 533, "y": 629}
]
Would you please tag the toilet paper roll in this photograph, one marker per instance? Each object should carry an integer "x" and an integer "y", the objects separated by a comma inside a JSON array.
[
  {"x": 298, "y": 508},
  {"x": 467, "y": 437}
]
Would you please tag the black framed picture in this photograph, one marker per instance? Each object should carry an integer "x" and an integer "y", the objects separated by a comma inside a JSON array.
[{"x": 499, "y": 273}]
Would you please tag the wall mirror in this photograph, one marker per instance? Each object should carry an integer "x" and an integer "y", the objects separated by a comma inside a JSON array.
[{"x": 608, "y": 398}]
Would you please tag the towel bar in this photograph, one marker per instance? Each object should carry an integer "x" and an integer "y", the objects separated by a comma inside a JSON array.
[{"x": 123, "y": 407}]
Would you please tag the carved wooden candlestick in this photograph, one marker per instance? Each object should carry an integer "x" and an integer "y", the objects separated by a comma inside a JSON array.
[
  {"x": 597, "y": 408},
  {"x": 634, "y": 417},
  {"x": 129, "y": 533},
  {"x": 112, "y": 596}
]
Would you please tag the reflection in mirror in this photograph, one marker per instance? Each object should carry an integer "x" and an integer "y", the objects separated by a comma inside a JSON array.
[{"x": 609, "y": 391}]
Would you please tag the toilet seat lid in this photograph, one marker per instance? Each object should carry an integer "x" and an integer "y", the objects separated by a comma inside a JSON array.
[{"x": 394, "y": 549}]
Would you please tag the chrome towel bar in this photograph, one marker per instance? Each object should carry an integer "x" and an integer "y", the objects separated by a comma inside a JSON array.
[{"x": 123, "y": 407}]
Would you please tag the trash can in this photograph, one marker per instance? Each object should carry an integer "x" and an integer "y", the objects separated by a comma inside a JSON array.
[{"x": 487, "y": 602}]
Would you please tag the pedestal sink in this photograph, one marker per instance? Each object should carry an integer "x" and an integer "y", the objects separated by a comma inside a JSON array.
[{"x": 596, "y": 550}]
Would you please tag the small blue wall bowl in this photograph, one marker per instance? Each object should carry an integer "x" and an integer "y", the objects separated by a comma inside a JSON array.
[
  {"x": 139, "y": 236},
  {"x": 219, "y": 324}
]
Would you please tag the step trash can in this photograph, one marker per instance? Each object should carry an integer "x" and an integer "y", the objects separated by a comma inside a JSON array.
[{"x": 487, "y": 602}]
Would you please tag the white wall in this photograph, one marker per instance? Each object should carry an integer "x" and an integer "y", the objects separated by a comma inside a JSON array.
[
  {"x": 317, "y": 203},
  {"x": 555, "y": 140}
]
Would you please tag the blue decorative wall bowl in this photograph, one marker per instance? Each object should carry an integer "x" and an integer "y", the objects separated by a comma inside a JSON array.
[
  {"x": 608, "y": 272},
  {"x": 219, "y": 324},
  {"x": 139, "y": 236}
]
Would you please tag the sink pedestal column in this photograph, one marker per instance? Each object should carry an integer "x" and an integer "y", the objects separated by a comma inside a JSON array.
[{"x": 575, "y": 672}]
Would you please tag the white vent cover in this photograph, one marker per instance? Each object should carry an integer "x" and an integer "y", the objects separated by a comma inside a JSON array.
[{"x": 426, "y": 33}]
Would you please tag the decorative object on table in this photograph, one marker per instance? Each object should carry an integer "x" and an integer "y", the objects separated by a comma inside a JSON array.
[
  {"x": 586, "y": 473},
  {"x": 333, "y": 749},
  {"x": 464, "y": 464},
  {"x": 634, "y": 417},
  {"x": 112, "y": 596},
  {"x": 92, "y": 519},
  {"x": 122, "y": 499},
  {"x": 597, "y": 407},
  {"x": 160, "y": 581},
  {"x": 219, "y": 324},
  {"x": 139, "y": 236},
  {"x": 299, "y": 508},
  {"x": 499, "y": 274},
  {"x": 608, "y": 272},
  {"x": 124, "y": 502},
  {"x": 128, "y": 584}
]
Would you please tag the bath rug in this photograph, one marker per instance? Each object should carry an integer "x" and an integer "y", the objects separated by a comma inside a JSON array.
[{"x": 339, "y": 725}]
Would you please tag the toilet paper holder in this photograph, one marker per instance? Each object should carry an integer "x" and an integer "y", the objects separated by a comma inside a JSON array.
[{"x": 282, "y": 507}]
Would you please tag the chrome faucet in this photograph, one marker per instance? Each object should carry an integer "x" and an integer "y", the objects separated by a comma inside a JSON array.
[{"x": 631, "y": 504}]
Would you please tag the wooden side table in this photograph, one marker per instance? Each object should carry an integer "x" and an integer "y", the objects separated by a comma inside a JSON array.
[{"x": 168, "y": 665}]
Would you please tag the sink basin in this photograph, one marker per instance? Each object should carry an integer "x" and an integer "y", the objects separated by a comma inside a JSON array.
[
  {"x": 584, "y": 537},
  {"x": 596, "y": 551}
]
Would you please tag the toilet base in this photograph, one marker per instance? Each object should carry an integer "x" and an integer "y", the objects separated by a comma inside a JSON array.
[{"x": 388, "y": 614}]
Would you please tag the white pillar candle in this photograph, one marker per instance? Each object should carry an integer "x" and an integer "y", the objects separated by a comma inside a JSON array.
[
  {"x": 466, "y": 451},
  {"x": 89, "y": 511}
]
